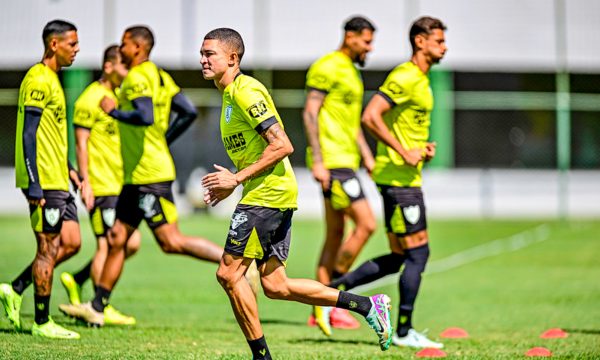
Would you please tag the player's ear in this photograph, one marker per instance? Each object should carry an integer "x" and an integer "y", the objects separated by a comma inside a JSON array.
[
  {"x": 233, "y": 59},
  {"x": 107, "y": 68},
  {"x": 420, "y": 41},
  {"x": 53, "y": 43}
]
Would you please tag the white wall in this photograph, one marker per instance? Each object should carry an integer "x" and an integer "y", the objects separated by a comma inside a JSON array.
[{"x": 482, "y": 35}]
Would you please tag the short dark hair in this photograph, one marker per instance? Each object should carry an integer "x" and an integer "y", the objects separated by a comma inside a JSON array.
[
  {"x": 424, "y": 25},
  {"x": 230, "y": 37},
  {"x": 56, "y": 27},
  {"x": 110, "y": 54},
  {"x": 143, "y": 32},
  {"x": 358, "y": 24}
]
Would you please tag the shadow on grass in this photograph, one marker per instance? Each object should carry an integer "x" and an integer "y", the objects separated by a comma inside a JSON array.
[
  {"x": 281, "y": 322},
  {"x": 584, "y": 331},
  {"x": 330, "y": 341},
  {"x": 16, "y": 332}
]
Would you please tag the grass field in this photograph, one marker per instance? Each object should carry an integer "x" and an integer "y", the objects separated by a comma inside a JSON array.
[{"x": 504, "y": 301}]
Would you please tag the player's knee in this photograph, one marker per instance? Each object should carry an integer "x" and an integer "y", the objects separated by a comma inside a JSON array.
[
  {"x": 274, "y": 290},
  {"x": 417, "y": 257},
  {"x": 368, "y": 226},
  {"x": 170, "y": 246},
  {"x": 116, "y": 240},
  {"x": 226, "y": 278}
]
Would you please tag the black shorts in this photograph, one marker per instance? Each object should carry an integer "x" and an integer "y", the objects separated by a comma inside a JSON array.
[
  {"x": 60, "y": 206},
  {"x": 260, "y": 232},
  {"x": 103, "y": 214},
  {"x": 404, "y": 209},
  {"x": 151, "y": 202},
  {"x": 344, "y": 188}
]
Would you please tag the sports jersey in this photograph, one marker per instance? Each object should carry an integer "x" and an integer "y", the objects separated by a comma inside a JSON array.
[
  {"x": 146, "y": 156},
  {"x": 339, "y": 116},
  {"x": 41, "y": 88},
  {"x": 105, "y": 166},
  {"x": 247, "y": 111},
  {"x": 407, "y": 90}
]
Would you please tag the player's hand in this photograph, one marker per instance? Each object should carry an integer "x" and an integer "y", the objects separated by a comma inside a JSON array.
[
  {"x": 413, "y": 156},
  {"x": 107, "y": 104},
  {"x": 37, "y": 202},
  {"x": 430, "y": 150},
  {"x": 76, "y": 180},
  {"x": 214, "y": 196},
  {"x": 87, "y": 195},
  {"x": 321, "y": 174},
  {"x": 369, "y": 165}
]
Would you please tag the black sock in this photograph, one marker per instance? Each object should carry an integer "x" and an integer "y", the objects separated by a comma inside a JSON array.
[
  {"x": 370, "y": 271},
  {"x": 101, "y": 299},
  {"x": 410, "y": 281},
  {"x": 259, "y": 348},
  {"x": 336, "y": 275},
  {"x": 357, "y": 303},
  {"x": 83, "y": 274},
  {"x": 23, "y": 281},
  {"x": 42, "y": 308}
]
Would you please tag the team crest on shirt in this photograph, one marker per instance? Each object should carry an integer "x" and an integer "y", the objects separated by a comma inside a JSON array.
[
  {"x": 238, "y": 219},
  {"x": 147, "y": 204},
  {"x": 412, "y": 213},
  {"x": 228, "y": 111},
  {"x": 109, "y": 215},
  {"x": 352, "y": 187},
  {"x": 52, "y": 216}
]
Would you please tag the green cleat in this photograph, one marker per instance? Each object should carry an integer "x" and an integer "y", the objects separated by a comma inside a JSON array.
[
  {"x": 322, "y": 314},
  {"x": 52, "y": 330},
  {"x": 11, "y": 302},
  {"x": 113, "y": 316},
  {"x": 72, "y": 287},
  {"x": 379, "y": 319}
]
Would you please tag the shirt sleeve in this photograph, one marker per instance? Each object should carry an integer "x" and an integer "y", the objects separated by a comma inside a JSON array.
[
  {"x": 395, "y": 89},
  {"x": 135, "y": 85},
  {"x": 320, "y": 77},
  {"x": 37, "y": 93},
  {"x": 84, "y": 114},
  {"x": 255, "y": 105}
]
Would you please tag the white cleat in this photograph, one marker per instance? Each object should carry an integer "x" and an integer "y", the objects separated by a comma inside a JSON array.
[
  {"x": 415, "y": 339},
  {"x": 83, "y": 312}
]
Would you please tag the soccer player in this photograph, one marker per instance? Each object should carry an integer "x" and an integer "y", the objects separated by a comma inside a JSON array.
[
  {"x": 147, "y": 96},
  {"x": 43, "y": 173},
  {"x": 101, "y": 166},
  {"x": 336, "y": 145},
  {"x": 260, "y": 229},
  {"x": 399, "y": 115}
]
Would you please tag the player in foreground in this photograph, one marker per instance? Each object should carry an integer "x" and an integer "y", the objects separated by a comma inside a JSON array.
[
  {"x": 101, "y": 167},
  {"x": 336, "y": 145},
  {"x": 260, "y": 230},
  {"x": 399, "y": 116},
  {"x": 43, "y": 174},
  {"x": 147, "y": 96}
]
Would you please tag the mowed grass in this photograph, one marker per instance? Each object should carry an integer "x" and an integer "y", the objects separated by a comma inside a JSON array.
[{"x": 505, "y": 301}]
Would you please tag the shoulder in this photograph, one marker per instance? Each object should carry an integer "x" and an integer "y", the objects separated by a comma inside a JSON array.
[
  {"x": 327, "y": 62},
  {"x": 404, "y": 75},
  {"x": 245, "y": 85}
]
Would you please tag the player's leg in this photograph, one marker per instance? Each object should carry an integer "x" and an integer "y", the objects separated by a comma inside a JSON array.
[
  {"x": 172, "y": 241},
  {"x": 334, "y": 234}
]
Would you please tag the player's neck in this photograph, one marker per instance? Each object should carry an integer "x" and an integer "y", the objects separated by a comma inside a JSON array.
[
  {"x": 52, "y": 63},
  {"x": 227, "y": 78},
  {"x": 421, "y": 61},
  {"x": 346, "y": 51},
  {"x": 106, "y": 83},
  {"x": 139, "y": 60}
]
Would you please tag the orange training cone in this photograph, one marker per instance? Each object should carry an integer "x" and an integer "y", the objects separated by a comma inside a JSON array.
[
  {"x": 538, "y": 351},
  {"x": 431, "y": 353},
  {"x": 454, "y": 333},
  {"x": 555, "y": 333}
]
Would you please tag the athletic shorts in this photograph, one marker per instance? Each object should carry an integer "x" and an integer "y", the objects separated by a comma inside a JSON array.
[
  {"x": 103, "y": 214},
  {"x": 60, "y": 206},
  {"x": 151, "y": 202},
  {"x": 344, "y": 188},
  {"x": 260, "y": 232},
  {"x": 404, "y": 209}
]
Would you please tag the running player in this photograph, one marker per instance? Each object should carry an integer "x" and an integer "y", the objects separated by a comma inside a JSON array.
[
  {"x": 399, "y": 116},
  {"x": 42, "y": 173},
  {"x": 260, "y": 230},
  {"x": 101, "y": 166},
  {"x": 336, "y": 145},
  {"x": 147, "y": 96}
]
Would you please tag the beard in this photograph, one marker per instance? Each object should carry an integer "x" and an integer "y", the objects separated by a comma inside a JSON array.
[{"x": 360, "y": 60}]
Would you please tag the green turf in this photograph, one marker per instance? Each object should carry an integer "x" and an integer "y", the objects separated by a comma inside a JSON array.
[{"x": 504, "y": 302}]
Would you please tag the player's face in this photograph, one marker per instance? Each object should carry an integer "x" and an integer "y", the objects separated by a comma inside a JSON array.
[
  {"x": 214, "y": 59},
  {"x": 360, "y": 44},
  {"x": 128, "y": 49},
  {"x": 118, "y": 70},
  {"x": 66, "y": 47},
  {"x": 434, "y": 46}
]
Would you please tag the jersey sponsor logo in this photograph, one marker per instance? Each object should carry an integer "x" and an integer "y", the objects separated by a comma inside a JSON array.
[
  {"x": 349, "y": 98},
  {"x": 52, "y": 216},
  {"x": 238, "y": 219},
  {"x": 320, "y": 80},
  {"x": 228, "y": 111},
  {"x": 412, "y": 213},
  {"x": 83, "y": 114},
  {"x": 257, "y": 110},
  {"x": 352, "y": 187},
  {"x": 235, "y": 242},
  {"x": 395, "y": 88},
  {"x": 37, "y": 95},
  {"x": 420, "y": 116},
  {"x": 138, "y": 88},
  {"x": 59, "y": 114},
  {"x": 147, "y": 205},
  {"x": 111, "y": 128},
  {"x": 235, "y": 142},
  {"x": 108, "y": 215}
]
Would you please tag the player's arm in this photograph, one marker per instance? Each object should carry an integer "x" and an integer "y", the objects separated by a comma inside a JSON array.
[
  {"x": 82, "y": 136},
  {"x": 365, "y": 152},
  {"x": 186, "y": 114},
  {"x": 373, "y": 120},
  {"x": 310, "y": 115},
  {"x": 142, "y": 115},
  {"x": 33, "y": 116}
]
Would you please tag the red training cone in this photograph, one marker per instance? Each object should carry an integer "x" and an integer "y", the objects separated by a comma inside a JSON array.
[
  {"x": 431, "y": 353},
  {"x": 538, "y": 351},
  {"x": 554, "y": 333},
  {"x": 454, "y": 333}
]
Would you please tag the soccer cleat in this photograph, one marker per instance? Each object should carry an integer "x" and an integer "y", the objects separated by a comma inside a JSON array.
[
  {"x": 415, "y": 339},
  {"x": 322, "y": 314},
  {"x": 84, "y": 312},
  {"x": 53, "y": 331},
  {"x": 72, "y": 287},
  {"x": 11, "y": 302},
  {"x": 379, "y": 319},
  {"x": 253, "y": 278},
  {"x": 113, "y": 316},
  {"x": 341, "y": 319}
]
